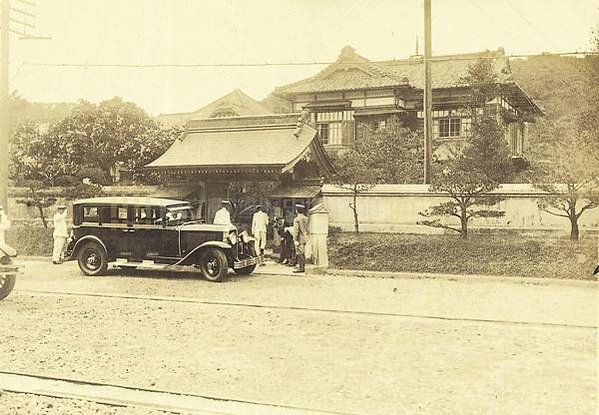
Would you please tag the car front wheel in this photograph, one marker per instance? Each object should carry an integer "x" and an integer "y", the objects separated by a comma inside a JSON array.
[
  {"x": 92, "y": 259},
  {"x": 7, "y": 282},
  {"x": 214, "y": 264}
]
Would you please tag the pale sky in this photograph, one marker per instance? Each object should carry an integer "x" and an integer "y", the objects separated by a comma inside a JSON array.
[{"x": 255, "y": 31}]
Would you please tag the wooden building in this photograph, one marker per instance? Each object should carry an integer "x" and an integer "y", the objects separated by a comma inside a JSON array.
[
  {"x": 355, "y": 92},
  {"x": 214, "y": 153},
  {"x": 235, "y": 104}
]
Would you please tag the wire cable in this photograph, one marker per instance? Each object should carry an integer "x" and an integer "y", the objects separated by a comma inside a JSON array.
[{"x": 445, "y": 58}]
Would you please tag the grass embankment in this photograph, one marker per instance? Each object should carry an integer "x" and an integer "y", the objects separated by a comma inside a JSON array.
[{"x": 483, "y": 254}]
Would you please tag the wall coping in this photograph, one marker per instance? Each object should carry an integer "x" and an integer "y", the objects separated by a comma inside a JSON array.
[{"x": 508, "y": 189}]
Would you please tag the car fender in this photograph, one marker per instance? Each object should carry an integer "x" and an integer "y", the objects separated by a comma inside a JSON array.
[
  {"x": 87, "y": 238},
  {"x": 208, "y": 244}
]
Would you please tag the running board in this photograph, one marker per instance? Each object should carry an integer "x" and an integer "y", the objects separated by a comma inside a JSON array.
[{"x": 150, "y": 265}]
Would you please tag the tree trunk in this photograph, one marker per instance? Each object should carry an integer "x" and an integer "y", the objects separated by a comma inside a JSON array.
[
  {"x": 464, "y": 221},
  {"x": 355, "y": 209},
  {"x": 42, "y": 216},
  {"x": 574, "y": 231}
]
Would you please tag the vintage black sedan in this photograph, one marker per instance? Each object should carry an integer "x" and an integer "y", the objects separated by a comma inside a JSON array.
[{"x": 143, "y": 232}]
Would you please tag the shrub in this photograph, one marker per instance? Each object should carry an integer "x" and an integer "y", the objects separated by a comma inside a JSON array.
[
  {"x": 504, "y": 254},
  {"x": 30, "y": 240}
]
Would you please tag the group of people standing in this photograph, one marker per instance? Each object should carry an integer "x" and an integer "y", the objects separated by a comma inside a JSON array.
[{"x": 292, "y": 238}]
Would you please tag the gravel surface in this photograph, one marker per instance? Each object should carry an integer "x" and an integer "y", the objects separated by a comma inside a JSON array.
[
  {"x": 361, "y": 364},
  {"x": 27, "y": 404}
]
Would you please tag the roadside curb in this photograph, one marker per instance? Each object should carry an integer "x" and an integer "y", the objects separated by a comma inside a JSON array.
[
  {"x": 460, "y": 277},
  {"x": 34, "y": 258}
]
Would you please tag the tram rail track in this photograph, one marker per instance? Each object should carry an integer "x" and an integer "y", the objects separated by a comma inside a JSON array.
[
  {"x": 117, "y": 395},
  {"x": 305, "y": 308}
]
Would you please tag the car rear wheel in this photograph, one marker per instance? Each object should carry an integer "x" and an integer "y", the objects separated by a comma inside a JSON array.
[
  {"x": 7, "y": 282},
  {"x": 214, "y": 264},
  {"x": 92, "y": 259}
]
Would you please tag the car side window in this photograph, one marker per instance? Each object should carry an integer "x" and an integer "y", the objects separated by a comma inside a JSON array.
[
  {"x": 91, "y": 214},
  {"x": 113, "y": 214},
  {"x": 146, "y": 215}
]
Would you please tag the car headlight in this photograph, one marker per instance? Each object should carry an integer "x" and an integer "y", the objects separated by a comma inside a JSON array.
[{"x": 232, "y": 238}]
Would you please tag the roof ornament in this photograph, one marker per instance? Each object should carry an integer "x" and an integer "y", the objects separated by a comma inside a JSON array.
[
  {"x": 304, "y": 118},
  {"x": 347, "y": 53}
]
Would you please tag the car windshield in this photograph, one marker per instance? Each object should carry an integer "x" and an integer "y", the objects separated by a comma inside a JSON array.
[{"x": 178, "y": 215}]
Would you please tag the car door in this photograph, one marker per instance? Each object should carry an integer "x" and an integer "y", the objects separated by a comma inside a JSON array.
[
  {"x": 151, "y": 238},
  {"x": 114, "y": 231}
]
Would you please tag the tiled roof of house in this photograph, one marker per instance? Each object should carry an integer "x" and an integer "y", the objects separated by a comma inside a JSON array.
[
  {"x": 236, "y": 102},
  {"x": 352, "y": 71},
  {"x": 447, "y": 71},
  {"x": 241, "y": 144}
]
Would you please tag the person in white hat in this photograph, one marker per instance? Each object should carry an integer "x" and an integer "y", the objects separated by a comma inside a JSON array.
[
  {"x": 259, "y": 227},
  {"x": 222, "y": 216},
  {"x": 60, "y": 233}
]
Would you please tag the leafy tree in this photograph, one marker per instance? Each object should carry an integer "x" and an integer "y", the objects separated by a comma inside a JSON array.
[
  {"x": 36, "y": 163},
  {"x": 110, "y": 133},
  {"x": 480, "y": 166},
  {"x": 398, "y": 148}
]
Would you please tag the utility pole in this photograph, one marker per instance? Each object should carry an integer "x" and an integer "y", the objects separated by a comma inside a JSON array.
[
  {"x": 4, "y": 91},
  {"x": 5, "y": 31},
  {"x": 428, "y": 94}
]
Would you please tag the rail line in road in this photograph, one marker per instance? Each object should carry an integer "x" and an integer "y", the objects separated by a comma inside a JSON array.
[
  {"x": 151, "y": 398},
  {"x": 303, "y": 308}
]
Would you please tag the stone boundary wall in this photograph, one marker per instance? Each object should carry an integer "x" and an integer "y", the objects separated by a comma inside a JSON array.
[{"x": 394, "y": 208}]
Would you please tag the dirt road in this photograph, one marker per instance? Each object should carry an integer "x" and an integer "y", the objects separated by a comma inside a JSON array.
[{"x": 355, "y": 363}]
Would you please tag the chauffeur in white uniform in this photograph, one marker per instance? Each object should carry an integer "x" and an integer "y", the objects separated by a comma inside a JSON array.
[
  {"x": 60, "y": 234},
  {"x": 259, "y": 227},
  {"x": 222, "y": 216}
]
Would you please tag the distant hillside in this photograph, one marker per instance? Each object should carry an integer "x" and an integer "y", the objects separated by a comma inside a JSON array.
[
  {"x": 21, "y": 110},
  {"x": 559, "y": 84}
]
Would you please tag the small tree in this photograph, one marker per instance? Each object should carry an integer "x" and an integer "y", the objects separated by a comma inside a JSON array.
[
  {"x": 481, "y": 165},
  {"x": 35, "y": 164},
  {"x": 569, "y": 175},
  {"x": 566, "y": 163},
  {"x": 470, "y": 177},
  {"x": 356, "y": 173}
]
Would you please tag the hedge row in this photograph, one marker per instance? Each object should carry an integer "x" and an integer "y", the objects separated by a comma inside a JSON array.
[
  {"x": 30, "y": 240},
  {"x": 507, "y": 255}
]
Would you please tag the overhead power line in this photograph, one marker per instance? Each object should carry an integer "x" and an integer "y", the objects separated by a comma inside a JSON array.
[
  {"x": 551, "y": 71},
  {"x": 315, "y": 63}
]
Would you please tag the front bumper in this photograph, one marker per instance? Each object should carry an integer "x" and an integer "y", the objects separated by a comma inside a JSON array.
[{"x": 248, "y": 262}]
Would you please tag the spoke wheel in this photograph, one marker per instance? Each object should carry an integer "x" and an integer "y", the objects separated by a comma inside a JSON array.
[
  {"x": 92, "y": 259},
  {"x": 214, "y": 265}
]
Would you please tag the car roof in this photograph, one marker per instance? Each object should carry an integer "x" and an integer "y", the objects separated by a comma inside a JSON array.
[{"x": 129, "y": 201}]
